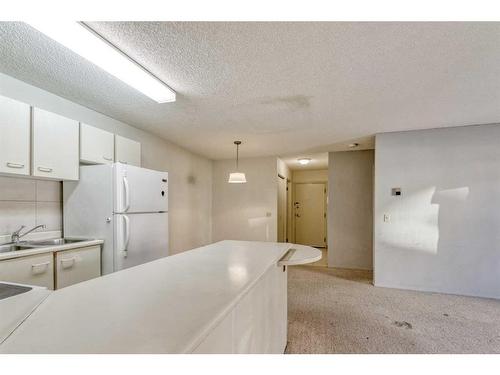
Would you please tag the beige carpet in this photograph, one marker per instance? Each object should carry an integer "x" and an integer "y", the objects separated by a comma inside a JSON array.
[{"x": 339, "y": 311}]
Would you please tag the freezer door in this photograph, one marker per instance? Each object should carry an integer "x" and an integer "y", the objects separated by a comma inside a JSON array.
[
  {"x": 140, "y": 238},
  {"x": 139, "y": 189}
]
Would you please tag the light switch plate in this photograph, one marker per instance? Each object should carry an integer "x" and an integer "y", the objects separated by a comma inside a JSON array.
[
  {"x": 387, "y": 218},
  {"x": 396, "y": 191}
]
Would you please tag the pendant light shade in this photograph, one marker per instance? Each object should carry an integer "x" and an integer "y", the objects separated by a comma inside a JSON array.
[{"x": 237, "y": 177}]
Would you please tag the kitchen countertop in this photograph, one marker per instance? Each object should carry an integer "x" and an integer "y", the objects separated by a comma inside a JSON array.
[
  {"x": 300, "y": 254},
  {"x": 14, "y": 310},
  {"x": 165, "y": 306},
  {"x": 48, "y": 249}
]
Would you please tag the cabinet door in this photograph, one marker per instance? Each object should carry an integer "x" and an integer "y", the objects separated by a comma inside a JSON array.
[
  {"x": 127, "y": 151},
  {"x": 279, "y": 310},
  {"x": 260, "y": 318},
  {"x": 96, "y": 145},
  {"x": 219, "y": 340},
  {"x": 31, "y": 270},
  {"x": 77, "y": 265},
  {"x": 15, "y": 137},
  {"x": 55, "y": 146}
]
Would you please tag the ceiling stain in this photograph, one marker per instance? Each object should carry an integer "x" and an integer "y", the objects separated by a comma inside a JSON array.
[{"x": 292, "y": 102}]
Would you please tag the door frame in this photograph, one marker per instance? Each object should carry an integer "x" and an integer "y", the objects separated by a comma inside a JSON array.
[
  {"x": 285, "y": 216},
  {"x": 325, "y": 183}
]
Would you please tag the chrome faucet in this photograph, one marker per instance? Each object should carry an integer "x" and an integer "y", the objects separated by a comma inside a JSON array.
[{"x": 16, "y": 236}]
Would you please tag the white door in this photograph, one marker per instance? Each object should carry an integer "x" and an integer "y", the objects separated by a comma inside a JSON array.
[
  {"x": 15, "y": 137},
  {"x": 140, "y": 238},
  {"x": 96, "y": 145},
  {"x": 310, "y": 214},
  {"x": 140, "y": 189},
  {"x": 55, "y": 146},
  {"x": 127, "y": 151}
]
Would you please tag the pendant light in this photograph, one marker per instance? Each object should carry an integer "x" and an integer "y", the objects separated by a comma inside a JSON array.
[{"x": 237, "y": 177}]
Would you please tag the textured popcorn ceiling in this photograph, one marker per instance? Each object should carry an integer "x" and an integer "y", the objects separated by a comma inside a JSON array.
[{"x": 282, "y": 88}]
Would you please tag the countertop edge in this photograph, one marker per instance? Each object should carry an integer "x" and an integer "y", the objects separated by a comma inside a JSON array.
[{"x": 48, "y": 249}]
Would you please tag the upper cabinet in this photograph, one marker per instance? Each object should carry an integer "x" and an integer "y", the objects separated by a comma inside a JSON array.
[
  {"x": 127, "y": 151},
  {"x": 15, "y": 137},
  {"x": 54, "y": 146},
  {"x": 39, "y": 143},
  {"x": 96, "y": 145}
]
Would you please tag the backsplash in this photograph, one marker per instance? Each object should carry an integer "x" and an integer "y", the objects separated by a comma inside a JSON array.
[{"x": 29, "y": 202}]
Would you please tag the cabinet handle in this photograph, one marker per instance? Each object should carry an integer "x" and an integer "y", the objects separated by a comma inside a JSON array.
[
  {"x": 35, "y": 266},
  {"x": 45, "y": 169},
  {"x": 72, "y": 260},
  {"x": 106, "y": 158},
  {"x": 14, "y": 165}
]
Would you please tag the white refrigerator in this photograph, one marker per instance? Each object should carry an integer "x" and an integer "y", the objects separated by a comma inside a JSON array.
[{"x": 126, "y": 206}]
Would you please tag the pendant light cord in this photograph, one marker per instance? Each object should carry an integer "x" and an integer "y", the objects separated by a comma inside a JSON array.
[{"x": 237, "y": 143}]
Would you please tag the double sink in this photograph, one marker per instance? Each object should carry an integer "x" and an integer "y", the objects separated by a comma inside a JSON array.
[{"x": 27, "y": 245}]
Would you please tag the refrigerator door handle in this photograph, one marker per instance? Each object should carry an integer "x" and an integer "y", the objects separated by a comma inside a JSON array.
[
  {"x": 126, "y": 233},
  {"x": 127, "y": 194}
]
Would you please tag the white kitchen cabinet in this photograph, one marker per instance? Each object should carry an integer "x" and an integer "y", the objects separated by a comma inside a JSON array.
[
  {"x": 77, "y": 265},
  {"x": 54, "y": 146},
  {"x": 97, "y": 146},
  {"x": 127, "y": 151},
  {"x": 260, "y": 318},
  {"x": 15, "y": 137},
  {"x": 220, "y": 339},
  {"x": 258, "y": 322},
  {"x": 31, "y": 270}
]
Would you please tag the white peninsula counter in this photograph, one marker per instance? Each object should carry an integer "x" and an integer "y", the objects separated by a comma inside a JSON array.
[{"x": 228, "y": 297}]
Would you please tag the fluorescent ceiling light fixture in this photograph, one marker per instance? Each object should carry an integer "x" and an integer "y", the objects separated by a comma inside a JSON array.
[
  {"x": 304, "y": 161},
  {"x": 82, "y": 40}
]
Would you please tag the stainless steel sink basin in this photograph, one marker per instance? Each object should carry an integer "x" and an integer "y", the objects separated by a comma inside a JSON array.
[
  {"x": 26, "y": 245},
  {"x": 54, "y": 242},
  {"x": 14, "y": 247},
  {"x": 9, "y": 290}
]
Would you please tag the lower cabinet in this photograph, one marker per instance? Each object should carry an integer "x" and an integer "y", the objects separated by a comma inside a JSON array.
[
  {"x": 53, "y": 270},
  {"x": 77, "y": 265},
  {"x": 258, "y": 322},
  {"x": 31, "y": 270}
]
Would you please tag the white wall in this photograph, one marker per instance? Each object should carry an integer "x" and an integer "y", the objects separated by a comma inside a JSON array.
[
  {"x": 190, "y": 175},
  {"x": 444, "y": 231},
  {"x": 350, "y": 214},
  {"x": 313, "y": 175},
  {"x": 283, "y": 169},
  {"x": 245, "y": 211}
]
